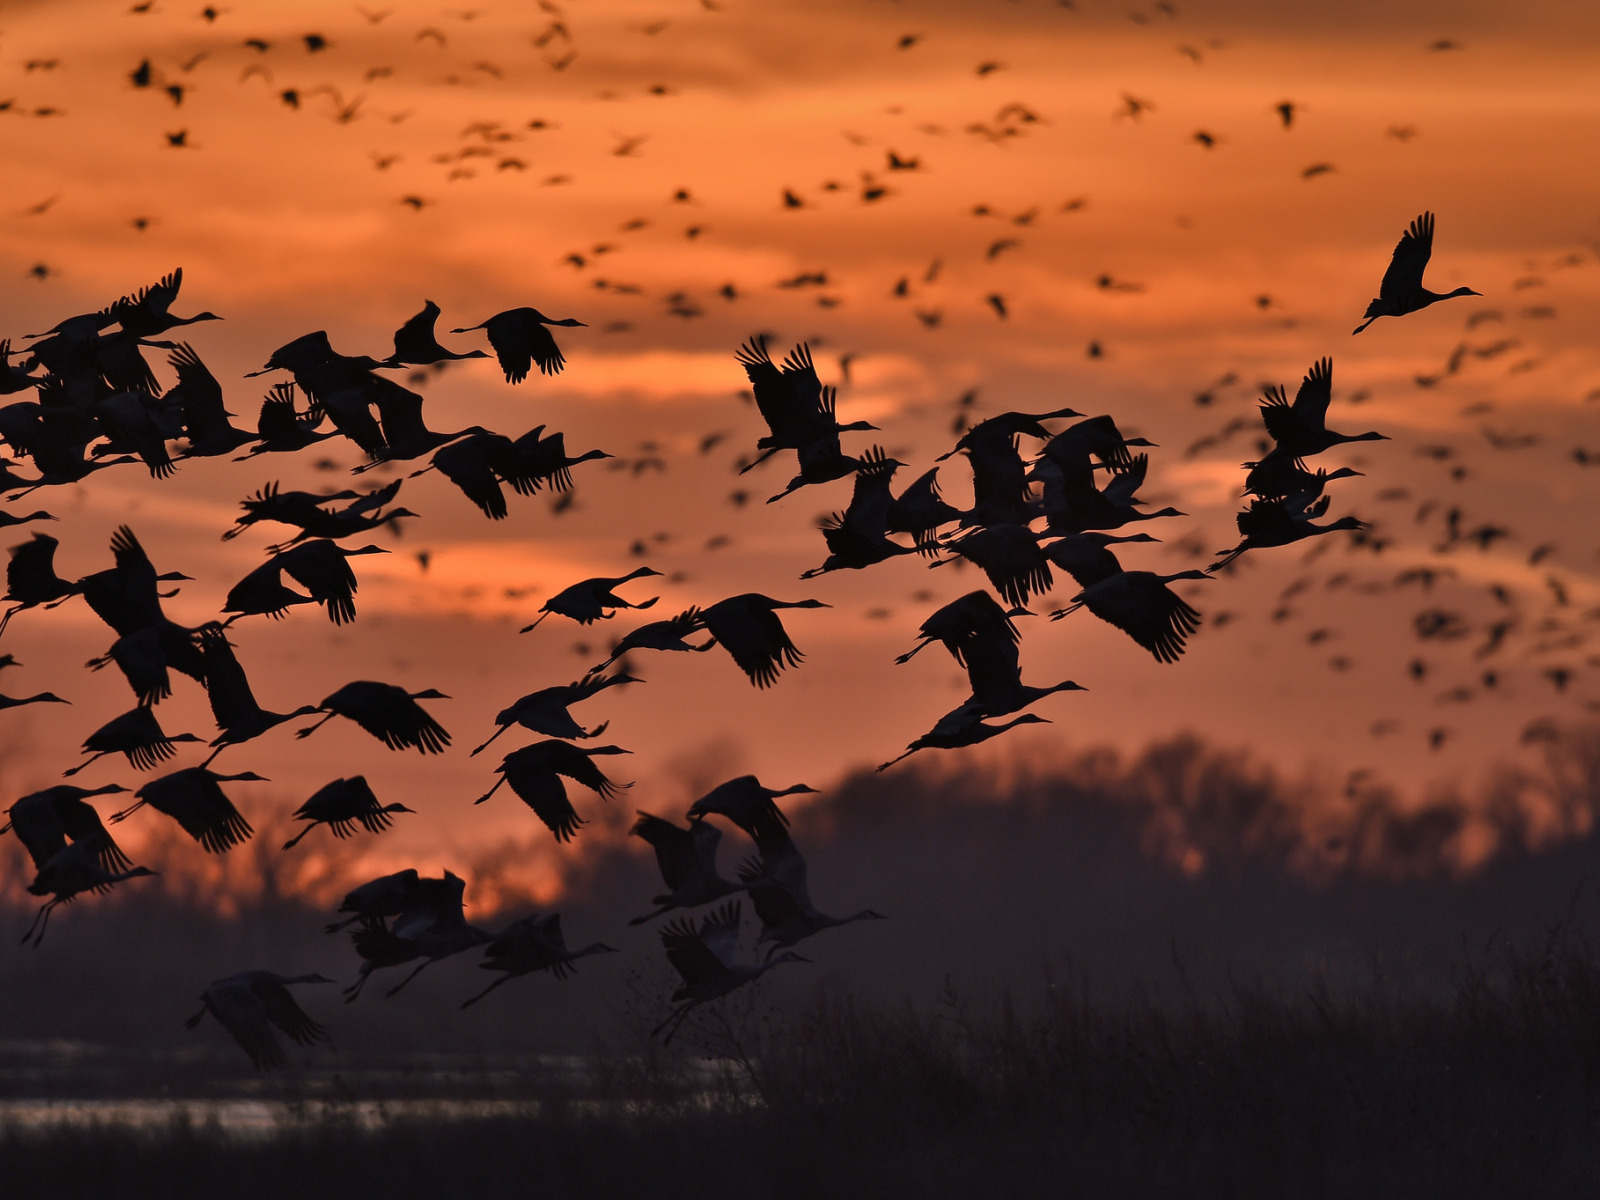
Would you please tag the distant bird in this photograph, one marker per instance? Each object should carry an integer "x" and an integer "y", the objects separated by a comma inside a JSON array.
[
  {"x": 532, "y": 944},
  {"x": 250, "y": 1004},
  {"x": 687, "y": 858},
  {"x": 705, "y": 955},
  {"x": 389, "y": 713},
  {"x": 748, "y": 628},
  {"x": 343, "y": 804},
  {"x": 534, "y": 773},
  {"x": 519, "y": 339},
  {"x": 591, "y": 600},
  {"x": 1401, "y": 291},
  {"x": 74, "y": 869},
  {"x": 194, "y": 798}
]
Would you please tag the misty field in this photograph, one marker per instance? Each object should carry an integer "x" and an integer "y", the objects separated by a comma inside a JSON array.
[{"x": 1493, "y": 1089}]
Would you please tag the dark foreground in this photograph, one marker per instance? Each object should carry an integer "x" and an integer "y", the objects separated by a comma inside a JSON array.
[{"x": 1491, "y": 1090}]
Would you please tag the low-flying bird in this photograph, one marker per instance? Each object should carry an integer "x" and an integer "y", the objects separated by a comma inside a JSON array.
[
  {"x": 748, "y": 804},
  {"x": 532, "y": 944},
  {"x": 74, "y": 869},
  {"x": 250, "y": 1004},
  {"x": 378, "y": 898},
  {"x": 687, "y": 859},
  {"x": 706, "y": 956},
  {"x": 1401, "y": 291},
  {"x": 776, "y": 884}
]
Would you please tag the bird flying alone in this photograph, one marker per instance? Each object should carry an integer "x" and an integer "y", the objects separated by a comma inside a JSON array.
[{"x": 1401, "y": 291}]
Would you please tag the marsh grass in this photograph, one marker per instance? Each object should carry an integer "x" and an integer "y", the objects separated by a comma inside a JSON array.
[{"x": 1491, "y": 1089}]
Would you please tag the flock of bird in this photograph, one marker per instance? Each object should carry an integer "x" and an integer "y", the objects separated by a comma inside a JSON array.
[{"x": 99, "y": 404}]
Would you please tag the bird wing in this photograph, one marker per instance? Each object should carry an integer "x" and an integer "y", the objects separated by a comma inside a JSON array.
[
  {"x": 227, "y": 687},
  {"x": 674, "y": 847},
  {"x": 1410, "y": 259},
  {"x": 1147, "y": 610},
  {"x": 510, "y": 337},
  {"x": 202, "y": 395},
  {"x": 719, "y": 931},
  {"x": 243, "y": 1014},
  {"x": 1316, "y": 390},
  {"x": 755, "y": 637},
  {"x": 688, "y": 952},
  {"x": 287, "y": 1015},
  {"x": 542, "y": 790}
]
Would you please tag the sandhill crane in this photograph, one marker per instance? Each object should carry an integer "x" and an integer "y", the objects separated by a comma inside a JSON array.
[
  {"x": 1009, "y": 555},
  {"x": 431, "y": 925},
  {"x": 1078, "y": 506},
  {"x": 591, "y": 600},
  {"x": 859, "y": 536},
  {"x": 389, "y": 713},
  {"x": 519, "y": 339},
  {"x": 999, "y": 478},
  {"x": 820, "y": 462},
  {"x": 145, "y": 655},
  {"x": 1096, "y": 437},
  {"x": 415, "y": 343},
  {"x": 343, "y": 804},
  {"x": 1300, "y": 428},
  {"x": 542, "y": 459},
  {"x": 249, "y": 1004},
  {"x": 1277, "y": 476},
  {"x": 958, "y": 728},
  {"x": 534, "y": 773},
  {"x": 1086, "y": 557},
  {"x": 405, "y": 435},
  {"x": 46, "y": 820},
  {"x": 776, "y": 882},
  {"x": 748, "y": 804},
  {"x": 36, "y": 698},
  {"x": 74, "y": 869},
  {"x": 233, "y": 704},
  {"x": 206, "y": 429},
  {"x": 281, "y": 428},
  {"x": 1401, "y": 291},
  {"x": 476, "y": 464},
  {"x": 1274, "y": 523},
  {"x": 145, "y": 313},
  {"x": 920, "y": 510},
  {"x": 307, "y": 512},
  {"x": 532, "y": 944},
  {"x": 194, "y": 798},
  {"x": 127, "y": 597},
  {"x": 128, "y": 422},
  {"x": 798, "y": 410},
  {"x": 321, "y": 567},
  {"x": 545, "y": 711},
  {"x": 377, "y": 898},
  {"x": 31, "y": 578},
  {"x": 136, "y": 734},
  {"x": 748, "y": 628},
  {"x": 670, "y": 634},
  {"x": 973, "y": 624},
  {"x": 687, "y": 858},
  {"x": 1142, "y": 605},
  {"x": 262, "y": 593},
  {"x": 705, "y": 955}
]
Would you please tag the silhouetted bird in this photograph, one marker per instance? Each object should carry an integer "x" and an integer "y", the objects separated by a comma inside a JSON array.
[
  {"x": 687, "y": 858},
  {"x": 416, "y": 345},
  {"x": 748, "y": 804},
  {"x": 1401, "y": 291},
  {"x": 137, "y": 735},
  {"x": 343, "y": 804},
  {"x": 74, "y": 869},
  {"x": 748, "y": 628},
  {"x": 520, "y": 339},
  {"x": 705, "y": 955},
  {"x": 534, "y": 773},
  {"x": 545, "y": 711},
  {"x": 591, "y": 600},
  {"x": 194, "y": 798},
  {"x": 250, "y": 1004},
  {"x": 532, "y": 944}
]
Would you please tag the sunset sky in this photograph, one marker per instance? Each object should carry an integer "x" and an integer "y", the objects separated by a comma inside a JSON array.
[{"x": 626, "y": 163}]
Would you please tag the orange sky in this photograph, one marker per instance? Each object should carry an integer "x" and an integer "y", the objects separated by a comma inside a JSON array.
[{"x": 283, "y": 222}]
